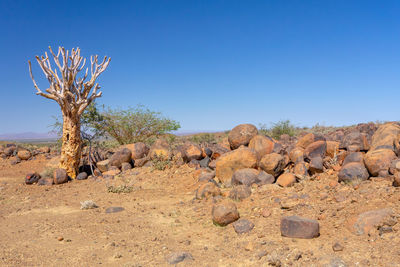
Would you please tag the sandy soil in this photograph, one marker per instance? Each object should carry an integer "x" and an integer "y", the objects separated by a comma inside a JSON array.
[{"x": 161, "y": 217}]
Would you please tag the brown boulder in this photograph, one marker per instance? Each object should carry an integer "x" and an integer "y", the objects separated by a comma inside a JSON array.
[
  {"x": 9, "y": 151},
  {"x": 207, "y": 190},
  {"x": 44, "y": 149},
  {"x": 273, "y": 164},
  {"x": 218, "y": 150},
  {"x": 286, "y": 180},
  {"x": 241, "y": 135},
  {"x": 261, "y": 145},
  {"x": 139, "y": 150},
  {"x": 224, "y": 213},
  {"x": 298, "y": 227},
  {"x": 315, "y": 149},
  {"x": 386, "y": 137},
  {"x": 32, "y": 178},
  {"x": 190, "y": 152},
  {"x": 306, "y": 140},
  {"x": 122, "y": 155},
  {"x": 60, "y": 176},
  {"x": 24, "y": 154},
  {"x": 232, "y": 161},
  {"x": 316, "y": 165},
  {"x": 240, "y": 192},
  {"x": 367, "y": 221},
  {"x": 103, "y": 165},
  {"x": 297, "y": 155},
  {"x": 300, "y": 169},
  {"x": 246, "y": 176},
  {"x": 378, "y": 161},
  {"x": 353, "y": 172},
  {"x": 332, "y": 148},
  {"x": 355, "y": 141}
]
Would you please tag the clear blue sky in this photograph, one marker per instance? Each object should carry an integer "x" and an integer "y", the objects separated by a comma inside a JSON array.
[{"x": 212, "y": 64}]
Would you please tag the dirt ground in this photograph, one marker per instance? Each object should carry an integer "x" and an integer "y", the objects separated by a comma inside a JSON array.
[{"x": 44, "y": 225}]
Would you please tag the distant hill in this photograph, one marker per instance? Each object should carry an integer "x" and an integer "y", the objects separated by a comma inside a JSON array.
[{"x": 27, "y": 135}]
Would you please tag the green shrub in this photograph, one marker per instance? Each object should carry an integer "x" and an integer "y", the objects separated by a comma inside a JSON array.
[
  {"x": 119, "y": 189},
  {"x": 203, "y": 138},
  {"x": 278, "y": 128},
  {"x": 161, "y": 163}
]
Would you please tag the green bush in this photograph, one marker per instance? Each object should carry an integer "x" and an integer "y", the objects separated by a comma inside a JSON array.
[
  {"x": 278, "y": 128},
  {"x": 203, "y": 138}
]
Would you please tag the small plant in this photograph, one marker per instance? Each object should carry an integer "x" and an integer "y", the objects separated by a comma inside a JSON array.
[
  {"x": 88, "y": 204},
  {"x": 120, "y": 189},
  {"x": 47, "y": 172},
  {"x": 161, "y": 163},
  {"x": 203, "y": 138},
  {"x": 278, "y": 128}
]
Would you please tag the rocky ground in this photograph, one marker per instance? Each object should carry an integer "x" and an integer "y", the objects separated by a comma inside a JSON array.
[{"x": 249, "y": 200}]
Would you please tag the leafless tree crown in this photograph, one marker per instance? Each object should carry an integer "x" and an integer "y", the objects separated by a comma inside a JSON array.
[{"x": 72, "y": 93}]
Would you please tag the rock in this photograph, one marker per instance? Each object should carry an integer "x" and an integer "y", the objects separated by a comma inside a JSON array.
[
  {"x": 337, "y": 247},
  {"x": 306, "y": 140},
  {"x": 367, "y": 221},
  {"x": 207, "y": 190},
  {"x": 300, "y": 169},
  {"x": 206, "y": 176},
  {"x": 24, "y": 154},
  {"x": 45, "y": 181},
  {"x": 82, "y": 176},
  {"x": 240, "y": 192},
  {"x": 232, "y": 161},
  {"x": 353, "y": 172},
  {"x": 354, "y": 157},
  {"x": 261, "y": 145},
  {"x": 44, "y": 149},
  {"x": 264, "y": 178},
  {"x": 286, "y": 180},
  {"x": 246, "y": 176},
  {"x": 386, "y": 137},
  {"x": 224, "y": 213},
  {"x": 297, "y": 155},
  {"x": 138, "y": 150},
  {"x": 315, "y": 149},
  {"x": 126, "y": 166},
  {"x": 212, "y": 165},
  {"x": 204, "y": 162},
  {"x": 177, "y": 257},
  {"x": 9, "y": 151},
  {"x": 206, "y": 152},
  {"x": 273, "y": 164},
  {"x": 190, "y": 152},
  {"x": 160, "y": 149},
  {"x": 243, "y": 226},
  {"x": 112, "y": 172},
  {"x": 241, "y": 135},
  {"x": 103, "y": 165},
  {"x": 141, "y": 162},
  {"x": 298, "y": 227},
  {"x": 32, "y": 178},
  {"x": 122, "y": 155},
  {"x": 316, "y": 165},
  {"x": 15, "y": 160},
  {"x": 60, "y": 176},
  {"x": 394, "y": 166},
  {"x": 355, "y": 141},
  {"x": 378, "y": 161},
  {"x": 114, "y": 209},
  {"x": 218, "y": 150},
  {"x": 332, "y": 148},
  {"x": 396, "y": 180}
]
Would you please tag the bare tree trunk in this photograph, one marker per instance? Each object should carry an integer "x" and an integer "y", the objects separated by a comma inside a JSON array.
[{"x": 71, "y": 144}]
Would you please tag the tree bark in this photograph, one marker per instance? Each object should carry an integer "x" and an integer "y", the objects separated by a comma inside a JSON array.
[{"x": 71, "y": 144}]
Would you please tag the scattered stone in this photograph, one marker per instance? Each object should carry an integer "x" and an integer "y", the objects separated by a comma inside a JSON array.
[
  {"x": 386, "y": 137},
  {"x": 112, "y": 172},
  {"x": 177, "y": 257},
  {"x": 298, "y": 227},
  {"x": 355, "y": 141},
  {"x": 266, "y": 212},
  {"x": 141, "y": 162},
  {"x": 126, "y": 166},
  {"x": 206, "y": 176},
  {"x": 190, "y": 152},
  {"x": 246, "y": 176},
  {"x": 103, "y": 165},
  {"x": 365, "y": 222},
  {"x": 305, "y": 141},
  {"x": 315, "y": 149},
  {"x": 241, "y": 135},
  {"x": 264, "y": 178},
  {"x": 242, "y": 226},
  {"x": 32, "y": 178},
  {"x": 300, "y": 169},
  {"x": 204, "y": 162},
  {"x": 207, "y": 190},
  {"x": 122, "y": 155},
  {"x": 378, "y": 161},
  {"x": 88, "y": 204},
  {"x": 114, "y": 209},
  {"x": 337, "y": 247},
  {"x": 232, "y": 161},
  {"x": 240, "y": 192},
  {"x": 9, "y": 151},
  {"x": 273, "y": 164},
  {"x": 224, "y": 213},
  {"x": 353, "y": 172},
  {"x": 45, "y": 181},
  {"x": 60, "y": 238},
  {"x": 60, "y": 176},
  {"x": 332, "y": 148},
  {"x": 354, "y": 157},
  {"x": 286, "y": 180},
  {"x": 24, "y": 154},
  {"x": 138, "y": 150},
  {"x": 316, "y": 165},
  {"x": 15, "y": 160},
  {"x": 261, "y": 145},
  {"x": 82, "y": 176},
  {"x": 297, "y": 155}
]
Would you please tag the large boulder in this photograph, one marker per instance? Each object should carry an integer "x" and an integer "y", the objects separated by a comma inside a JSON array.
[
  {"x": 332, "y": 148},
  {"x": 315, "y": 149},
  {"x": 9, "y": 151},
  {"x": 286, "y": 180},
  {"x": 353, "y": 172},
  {"x": 387, "y": 137},
  {"x": 224, "y": 213},
  {"x": 122, "y": 155},
  {"x": 60, "y": 176},
  {"x": 261, "y": 145},
  {"x": 241, "y": 135},
  {"x": 378, "y": 161},
  {"x": 354, "y": 157},
  {"x": 304, "y": 141},
  {"x": 355, "y": 141},
  {"x": 103, "y": 165},
  {"x": 297, "y": 155},
  {"x": 251, "y": 176},
  {"x": 24, "y": 154},
  {"x": 298, "y": 227},
  {"x": 190, "y": 151},
  {"x": 232, "y": 161},
  {"x": 139, "y": 150},
  {"x": 273, "y": 164}
]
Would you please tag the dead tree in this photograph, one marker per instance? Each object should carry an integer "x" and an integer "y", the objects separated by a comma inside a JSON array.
[{"x": 73, "y": 94}]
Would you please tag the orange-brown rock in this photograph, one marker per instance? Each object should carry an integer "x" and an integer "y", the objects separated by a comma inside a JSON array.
[
  {"x": 378, "y": 161},
  {"x": 122, "y": 155},
  {"x": 355, "y": 141},
  {"x": 297, "y": 155},
  {"x": 190, "y": 152},
  {"x": 218, "y": 150},
  {"x": 224, "y": 213},
  {"x": 139, "y": 150},
  {"x": 354, "y": 157},
  {"x": 24, "y": 154},
  {"x": 207, "y": 190},
  {"x": 232, "y": 161},
  {"x": 367, "y": 221},
  {"x": 286, "y": 180},
  {"x": 305, "y": 140},
  {"x": 332, "y": 148},
  {"x": 387, "y": 136},
  {"x": 262, "y": 145},
  {"x": 315, "y": 149},
  {"x": 353, "y": 172},
  {"x": 241, "y": 135},
  {"x": 300, "y": 169},
  {"x": 273, "y": 164}
]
